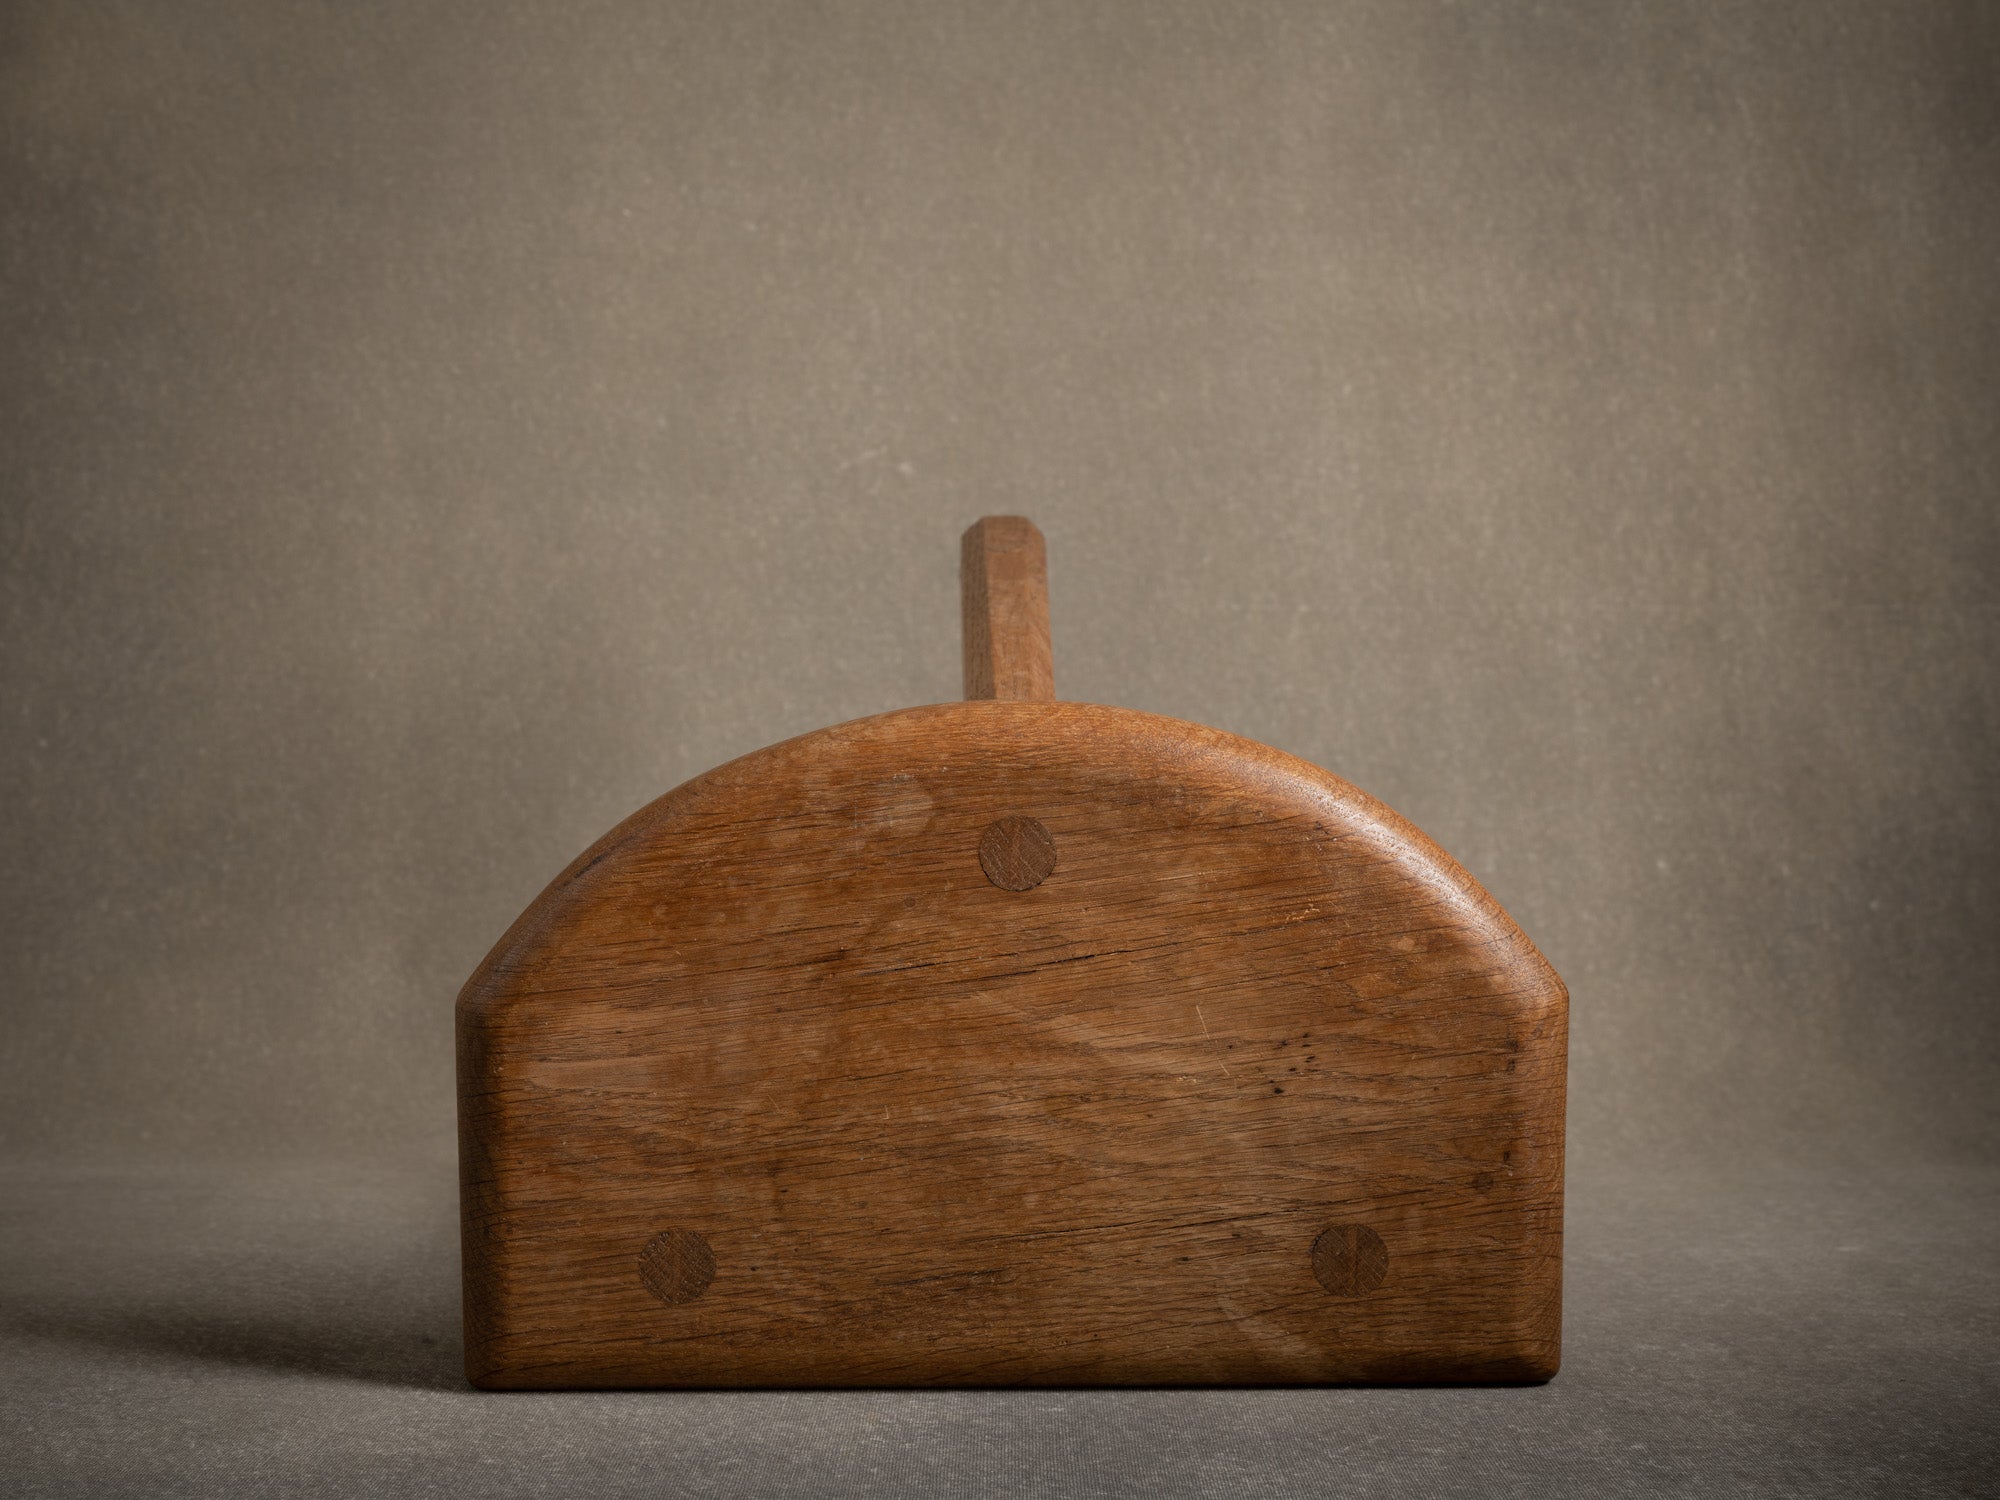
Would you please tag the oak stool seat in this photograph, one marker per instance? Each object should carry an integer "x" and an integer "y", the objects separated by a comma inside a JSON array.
[{"x": 1012, "y": 1042}]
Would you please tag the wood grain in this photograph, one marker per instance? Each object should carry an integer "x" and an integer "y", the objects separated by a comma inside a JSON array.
[
  {"x": 1255, "y": 1085},
  {"x": 1004, "y": 591},
  {"x": 1350, "y": 1260},
  {"x": 1017, "y": 853}
]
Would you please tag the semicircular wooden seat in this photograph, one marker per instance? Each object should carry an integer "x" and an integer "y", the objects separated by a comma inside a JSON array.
[{"x": 1012, "y": 1042}]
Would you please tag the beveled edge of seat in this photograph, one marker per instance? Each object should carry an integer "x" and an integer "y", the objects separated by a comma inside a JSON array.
[{"x": 1194, "y": 754}]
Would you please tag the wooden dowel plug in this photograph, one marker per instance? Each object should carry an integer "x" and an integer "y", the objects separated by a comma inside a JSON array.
[{"x": 1004, "y": 585}]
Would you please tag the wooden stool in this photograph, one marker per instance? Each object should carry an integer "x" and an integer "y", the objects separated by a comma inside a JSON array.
[{"x": 1012, "y": 1042}]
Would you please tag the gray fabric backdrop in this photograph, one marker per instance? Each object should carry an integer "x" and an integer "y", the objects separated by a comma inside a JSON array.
[{"x": 432, "y": 431}]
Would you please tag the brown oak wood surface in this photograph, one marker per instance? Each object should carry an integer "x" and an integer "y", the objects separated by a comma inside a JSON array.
[
  {"x": 1012, "y": 1043},
  {"x": 1004, "y": 588}
]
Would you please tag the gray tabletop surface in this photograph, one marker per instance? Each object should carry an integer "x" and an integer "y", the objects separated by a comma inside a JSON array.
[{"x": 292, "y": 1329}]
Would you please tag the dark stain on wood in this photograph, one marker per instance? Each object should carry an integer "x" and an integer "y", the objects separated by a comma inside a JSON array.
[
  {"x": 676, "y": 1266},
  {"x": 1350, "y": 1260},
  {"x": 1017, "y": 853}
]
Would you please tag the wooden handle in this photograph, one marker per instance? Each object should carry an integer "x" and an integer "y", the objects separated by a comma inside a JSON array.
[{"x": 1004, "y": 584}]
